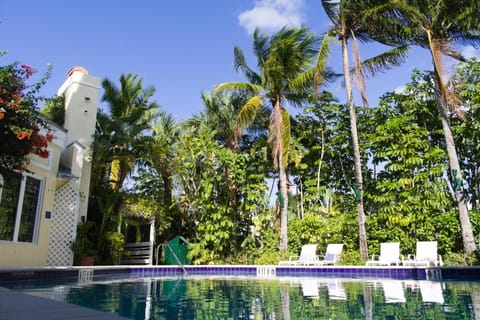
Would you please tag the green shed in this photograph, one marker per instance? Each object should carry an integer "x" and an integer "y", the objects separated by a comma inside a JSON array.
[{"x": 176, "y": 251}]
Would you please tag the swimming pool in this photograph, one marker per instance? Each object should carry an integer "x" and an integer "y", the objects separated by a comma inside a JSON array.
[{"x": 166, "y": 293}]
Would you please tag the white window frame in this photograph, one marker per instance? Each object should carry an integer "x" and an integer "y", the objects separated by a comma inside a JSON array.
[{"x": 18, "y": 214}]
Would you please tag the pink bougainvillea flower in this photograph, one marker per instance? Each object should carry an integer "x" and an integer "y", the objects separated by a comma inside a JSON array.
[{"x": 28, "y": 70}]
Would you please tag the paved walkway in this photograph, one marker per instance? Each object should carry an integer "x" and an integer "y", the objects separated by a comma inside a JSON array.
[{"x": 20, "y": 306}]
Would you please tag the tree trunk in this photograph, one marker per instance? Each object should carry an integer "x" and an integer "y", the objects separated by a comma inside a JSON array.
[
  {"x": 469, "y": 245},
  {"x": 283, "y": 207},
  {"x": 362, "y": 234},
  {"x": 282, "y": 174}
]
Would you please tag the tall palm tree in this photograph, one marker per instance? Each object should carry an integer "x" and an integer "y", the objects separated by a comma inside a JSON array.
[
  {"x": 352, "y": 20},
  {"x": 286, "y": 76},
  {"x": 131, "y": 113},
  {"x": 439, "y": 26},
  {"x": 160, "y": 151}
]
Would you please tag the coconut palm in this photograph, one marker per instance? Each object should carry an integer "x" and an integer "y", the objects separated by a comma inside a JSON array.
[
  {"x": 131, "y": 113},
  {"x": 161, "y": 152},
  {"x": 352, "y": 21},
  {"x": 286, "y": 76},
  {"x": 227, "y": 114},
  {"x": 439, "y": 26}
]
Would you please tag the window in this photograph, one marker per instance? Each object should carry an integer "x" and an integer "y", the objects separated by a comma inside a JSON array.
[{"x": 19, "y": 207}]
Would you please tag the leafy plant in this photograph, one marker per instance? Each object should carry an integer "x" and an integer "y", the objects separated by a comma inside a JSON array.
[
  {"x": 83, "y": 244},
  {"x": 115, "y": 241}
]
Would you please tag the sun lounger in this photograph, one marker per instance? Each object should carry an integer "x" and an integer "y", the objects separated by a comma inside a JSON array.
[
  {"x": 389, "y": 255},
  {"x": 308, "y": 256},
  {"x": 426, "y": 255}
]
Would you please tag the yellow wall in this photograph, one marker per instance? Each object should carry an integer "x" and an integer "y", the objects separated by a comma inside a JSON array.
[
  {"x": 14, "y": 254},
  {"x": 81, "y": 93}
]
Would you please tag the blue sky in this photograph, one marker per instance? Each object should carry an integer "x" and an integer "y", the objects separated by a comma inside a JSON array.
[{"x": 180, "y": 47}]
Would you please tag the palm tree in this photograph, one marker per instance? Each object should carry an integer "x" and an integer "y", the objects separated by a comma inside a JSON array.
[
  {"x": 227, "y": 114},
  {"x": 160, "y": 152},
  {"x": 439, "y": 26},
  {"x": 352, "y": 20},
  {"x": 287, "y": 74},
  {"x": 130, "y": 116}
]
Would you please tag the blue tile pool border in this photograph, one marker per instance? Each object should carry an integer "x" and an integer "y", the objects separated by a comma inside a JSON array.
[{"x": 8, "y": 275}]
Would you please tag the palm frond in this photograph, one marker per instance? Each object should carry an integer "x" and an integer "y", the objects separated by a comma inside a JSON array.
[
  {"x": 286, "y": 135},
  {"x": 260, "y": 47},
  {"x": 320, "y": 65},
  {"x": 332, "y": 9},
  {"x": 237, "y": 87},
  {"x": 240, "y": 64},
  {"x": 386, "y": 60},
  {"x": 275, "y": 134},
  {"x": 359, "y": 75},
  {"x": 247, "y": 115}
]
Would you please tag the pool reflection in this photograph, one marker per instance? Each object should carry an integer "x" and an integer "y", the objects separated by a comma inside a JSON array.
[{"x": 278, "y": 298}]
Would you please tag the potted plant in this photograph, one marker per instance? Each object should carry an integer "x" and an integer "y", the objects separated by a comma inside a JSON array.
[{"x": 83, "y": 247}]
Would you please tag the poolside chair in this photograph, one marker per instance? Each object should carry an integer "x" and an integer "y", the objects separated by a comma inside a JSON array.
[
  {"x": 393, "y": 291},
  {"x": 310, "y": 287},
  {"x": 308, "y": 256},
  {"x": 432, "y": 291},
  {"x": 389, "y": 255},
  {"x": 426, "y": 255},
  {"x": 332, "y": 255},
  {"x": 335, "y": 289}
]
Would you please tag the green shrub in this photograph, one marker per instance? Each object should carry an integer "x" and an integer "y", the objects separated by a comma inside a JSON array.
[
  {"x": 351, "y": 258},
  {"x": 460, "y": 259}
]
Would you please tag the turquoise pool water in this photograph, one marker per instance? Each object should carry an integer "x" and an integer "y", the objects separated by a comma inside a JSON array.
[{"x": 279, "y": 298}]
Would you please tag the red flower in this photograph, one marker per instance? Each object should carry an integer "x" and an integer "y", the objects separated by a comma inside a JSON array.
[
  {"x": 43, "y": 154},
  {"x": 22, "y": 135},
  {"x": 49, "y": 137}
]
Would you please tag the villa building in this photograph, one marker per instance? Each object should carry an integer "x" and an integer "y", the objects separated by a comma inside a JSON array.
[{"x": 41, "y": 211}]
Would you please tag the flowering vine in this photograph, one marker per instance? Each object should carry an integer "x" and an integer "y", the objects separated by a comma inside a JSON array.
[{"x": 22, "y": 130}]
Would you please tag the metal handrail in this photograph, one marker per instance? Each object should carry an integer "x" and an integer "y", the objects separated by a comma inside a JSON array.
[{"x": 174, "y": 255}]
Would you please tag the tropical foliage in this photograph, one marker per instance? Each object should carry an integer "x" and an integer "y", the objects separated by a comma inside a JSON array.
[
  {"x": 287, "y": 75},
  {"x": 404, "y": 170}
]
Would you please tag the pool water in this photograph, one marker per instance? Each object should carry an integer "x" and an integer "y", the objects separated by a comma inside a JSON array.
[{"x": 279, "y": 298}]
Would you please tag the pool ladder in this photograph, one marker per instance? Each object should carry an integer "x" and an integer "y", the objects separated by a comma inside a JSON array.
[{"x": 166, "y": 245}]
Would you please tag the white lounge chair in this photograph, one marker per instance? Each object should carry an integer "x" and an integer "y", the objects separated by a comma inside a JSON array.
[
  {"x": 310, "y": 287},
  {"x": 389, "y": 255},
  {"x": 426, "y": 255},
  {"x": 393, "y": 290},
  {"x": 308, "y": 256},
  {"x": 431, "y": 291},
  {"x": 336, "y": 290},
  {"x": 332, "y": 255}
]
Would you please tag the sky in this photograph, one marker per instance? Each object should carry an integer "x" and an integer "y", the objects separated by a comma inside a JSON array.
[{"x": 182, "y": 48}]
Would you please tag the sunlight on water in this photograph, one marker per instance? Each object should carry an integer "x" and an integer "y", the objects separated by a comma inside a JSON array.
[{"x": 278, "y": 298}]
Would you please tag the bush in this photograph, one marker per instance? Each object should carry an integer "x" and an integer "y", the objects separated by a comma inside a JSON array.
[
  {"x": 351, "y": 258},
  {"x": 20, "y": 125},
  {"x": 460, "y": 259}
]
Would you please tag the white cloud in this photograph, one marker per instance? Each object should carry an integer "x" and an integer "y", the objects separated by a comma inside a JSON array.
[
  {"x": 400, "y": 89},
  {"x": 272, "y": 15},
  {"x": 470, "y": 52}
]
